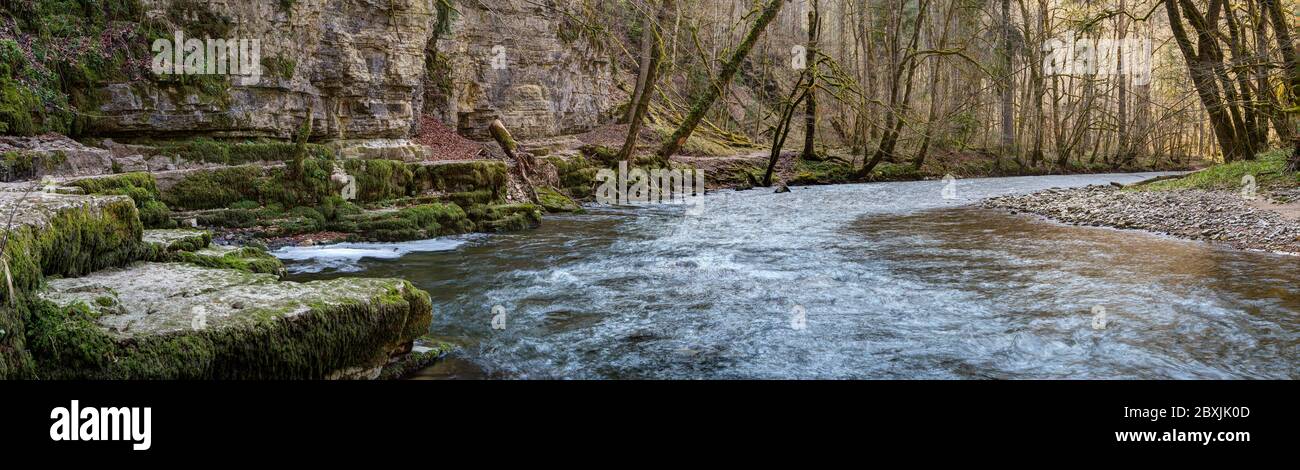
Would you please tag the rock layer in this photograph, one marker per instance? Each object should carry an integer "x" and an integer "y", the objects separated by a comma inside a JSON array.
[{"x": 360, "y": 68}]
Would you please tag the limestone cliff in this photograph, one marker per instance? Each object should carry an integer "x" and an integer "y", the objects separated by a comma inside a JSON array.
[
  {"x": 354, "y": 65},
  {"x": 521, "y": 61},
  {"x": 359, "y": 68}
]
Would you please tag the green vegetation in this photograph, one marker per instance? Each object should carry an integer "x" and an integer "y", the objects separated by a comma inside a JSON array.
[
  {"x": 823, "y": 172},
  {"x": 40, "y": 338},
  {"x": 50, "y": 75},
  {"x": 553, "y": 201},
  {"x": 406, "y": 201},
  {"x": 247, "y": 259},
  {"x": 1266, "y": 168},
  {"x": 76, "y": 240},
  {"x": 238, "y": 153},
  {"x": 279, "y": 67},
  {"x": 67, "y": 343},
  {"x": 378, "y": 180},
  {"x": 142, "y": 189}
]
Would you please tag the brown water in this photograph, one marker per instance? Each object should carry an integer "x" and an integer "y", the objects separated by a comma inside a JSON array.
[{"x": 893, "y": 281}]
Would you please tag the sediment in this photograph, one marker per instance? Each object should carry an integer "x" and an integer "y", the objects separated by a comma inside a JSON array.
[{"x": 1213, "y": 216}]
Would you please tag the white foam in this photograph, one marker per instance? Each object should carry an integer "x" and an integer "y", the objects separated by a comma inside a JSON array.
[{"x": 346, "y": 257}]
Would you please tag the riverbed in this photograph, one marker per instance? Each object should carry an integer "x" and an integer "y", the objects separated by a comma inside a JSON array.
[{"x": 888, "y": 280}]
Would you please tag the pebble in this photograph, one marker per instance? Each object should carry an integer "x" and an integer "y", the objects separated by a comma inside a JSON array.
[{"x": 1194, "y": 214}]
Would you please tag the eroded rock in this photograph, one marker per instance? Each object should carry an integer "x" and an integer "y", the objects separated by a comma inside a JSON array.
[{"x": 178, "y": 320}]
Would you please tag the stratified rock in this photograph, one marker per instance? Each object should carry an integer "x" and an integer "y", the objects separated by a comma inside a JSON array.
[
  {"x": 356, "y": 67},
  {"x": 30, "y": 158},
  {"x": 53, "y": 234},
  {"x": 181, "y": 321},
  {"x": 554, "y": 81},
  {"x": 363, "y": 69}
]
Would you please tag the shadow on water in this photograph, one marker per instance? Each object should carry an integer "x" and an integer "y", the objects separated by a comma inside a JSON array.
[{"x": 893, "y": 280}]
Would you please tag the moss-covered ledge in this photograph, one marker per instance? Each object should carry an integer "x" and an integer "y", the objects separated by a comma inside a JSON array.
[{"x": 182, "y": 321}]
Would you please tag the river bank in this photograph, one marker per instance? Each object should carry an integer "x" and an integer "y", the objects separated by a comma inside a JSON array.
[{"x": 1212, "y": 205}]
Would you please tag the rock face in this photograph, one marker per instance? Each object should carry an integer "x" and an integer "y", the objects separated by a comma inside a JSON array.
[
  {"x": 358, "y": 68},
  {"x": 30, "y": 158},
  {"x": 521, "y": 62}
]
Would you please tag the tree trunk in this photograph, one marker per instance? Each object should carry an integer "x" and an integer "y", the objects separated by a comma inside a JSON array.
[
  {"x": 898, "y": 104},
  {"x": 1008, "y": 83},
  {"x": 649, "y": 44},
  {"x": 1200, "y": 69},
  {"x": 1292, "y": 74},
  {"x": 810, "y": 115},
  {"x": 711, "y": 94},
  {"x": 651, "y": 75}
]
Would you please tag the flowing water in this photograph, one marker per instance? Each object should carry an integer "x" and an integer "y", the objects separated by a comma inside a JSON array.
[{"x": 886, "y": 280}]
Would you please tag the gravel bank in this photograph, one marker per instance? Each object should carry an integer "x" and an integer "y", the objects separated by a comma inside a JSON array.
[{"x": 1215, "y": 216}]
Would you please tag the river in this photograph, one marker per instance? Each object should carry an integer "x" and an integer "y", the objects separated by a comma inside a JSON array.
[{"x": 884, "y": 280}]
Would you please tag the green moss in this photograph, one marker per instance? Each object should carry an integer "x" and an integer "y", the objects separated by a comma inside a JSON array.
[
  {"x": 553, "y": 201},
  {"x": 461, "y": 177},
  {"x": 378, "y": 180},
  {"x": 577, "y": 177},
  {"x": 210, "y": 189},
  {"x": 823, "y": 172},
  {"x": 15, "y": 165},
  {"x": 56, "y": 89},
  {"x": 247, "y": 259},
  {"x": 143, "y": 190},
  {"x": 238, "y": 153},
  {"x": 505, "y": 217},
  {"x": 196, "y": 242},
  {"x": 75, "y": 241},
  {"x": 896, "y": 172},
  {"x": 67, "y": 344},
  {"x": 229, "y": 218},
  {"x": 412, "y": 223},
  {"x": 279, "y": 67},
  {"x": 415, "y": 361}
]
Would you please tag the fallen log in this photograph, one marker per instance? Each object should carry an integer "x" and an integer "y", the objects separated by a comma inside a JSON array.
[{"x": 523, "y": 160}]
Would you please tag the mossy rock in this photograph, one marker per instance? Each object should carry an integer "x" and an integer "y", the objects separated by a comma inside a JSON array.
[
  {"x": 247, "y": 259},
  {"x": 506, "y": 217},
  {"x": 823, "y": 172},
  {"x": 169, "y": 240},
  {"x": 204, "y": 150},
  {"x": 143, "y": 190},
  {"x": 411, "y": 223},
  {"x": 56, "y": 235},
  {"x": 424, "y": 353},
  {"x": 577, "y": 177},
  {"x": 181, "y": 321},
  {"x": 553, "y": 201},
  {"x": 462, "y": 177}
]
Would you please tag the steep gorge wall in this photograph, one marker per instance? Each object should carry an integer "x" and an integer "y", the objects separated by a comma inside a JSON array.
[
  {"x": 359, "y": 69},
  {"x": 553, "y": 81},
  {"x": 354, "y": 65}
]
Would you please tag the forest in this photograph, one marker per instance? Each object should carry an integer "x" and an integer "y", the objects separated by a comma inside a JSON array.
[
  {"x": 649, "y": 189},
  {"x": 1022, "y": 86}
]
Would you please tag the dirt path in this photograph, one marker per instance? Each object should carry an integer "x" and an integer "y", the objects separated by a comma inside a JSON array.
[{"x": 1289, "y": 211}]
